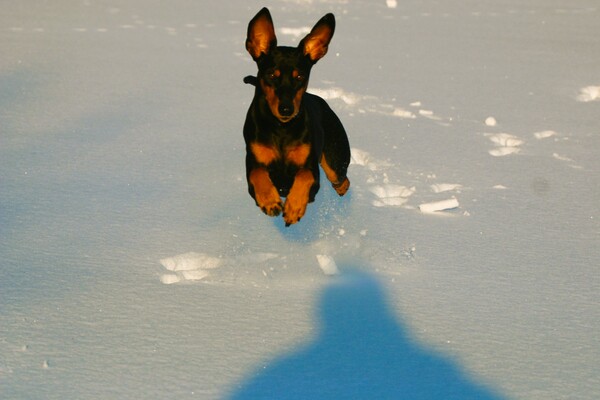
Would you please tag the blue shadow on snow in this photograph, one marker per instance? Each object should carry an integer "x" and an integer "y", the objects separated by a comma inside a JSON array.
[{"x": 362, "y": 352}]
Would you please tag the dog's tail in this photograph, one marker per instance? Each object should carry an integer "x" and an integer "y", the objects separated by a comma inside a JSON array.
[{"x": 251, "y": 80}]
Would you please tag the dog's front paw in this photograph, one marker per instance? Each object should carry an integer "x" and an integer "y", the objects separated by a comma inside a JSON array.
[
  {"x": 270, "y": 203},
  {"x": 297, "y": 199},
  {"x": 272, "y": 208},
  {"x": 293, "y": 210}
]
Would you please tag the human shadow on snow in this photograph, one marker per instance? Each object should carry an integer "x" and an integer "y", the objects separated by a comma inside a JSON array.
[{"x": 362, "y": 352}]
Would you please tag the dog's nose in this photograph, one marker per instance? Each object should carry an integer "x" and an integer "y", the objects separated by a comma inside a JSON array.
[{"x": 286, "y": 109}]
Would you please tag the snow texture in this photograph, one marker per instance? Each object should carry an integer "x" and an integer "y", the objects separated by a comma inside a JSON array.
[
  {"x": 134, "y": 264},
  {"x": 442, "y": 205}
]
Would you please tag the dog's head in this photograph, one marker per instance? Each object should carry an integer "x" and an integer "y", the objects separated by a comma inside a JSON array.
[{"x": 283, "y": 72}]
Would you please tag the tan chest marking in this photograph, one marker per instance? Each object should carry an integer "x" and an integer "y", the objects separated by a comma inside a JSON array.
[
  {"x": 264, "y": 154},
  {"x": 297, "y": 155}
]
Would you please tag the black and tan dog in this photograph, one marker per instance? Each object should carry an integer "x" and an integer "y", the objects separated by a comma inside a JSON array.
[{"x": 289, "y": 132}]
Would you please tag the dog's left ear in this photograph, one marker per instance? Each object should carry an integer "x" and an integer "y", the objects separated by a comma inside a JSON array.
[
  {"x": 315, "y": 44},
  {"x": 261, "y": 34}
]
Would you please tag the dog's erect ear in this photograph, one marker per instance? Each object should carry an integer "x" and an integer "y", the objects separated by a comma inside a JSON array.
[
  {"x": 315, "y": 44},
  {"x": 261, "y": 34}
]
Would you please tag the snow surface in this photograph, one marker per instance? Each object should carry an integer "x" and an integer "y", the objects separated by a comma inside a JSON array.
[{"x": 133, "y": 263}]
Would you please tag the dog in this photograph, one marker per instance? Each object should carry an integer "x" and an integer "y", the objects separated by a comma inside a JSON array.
[{"x": 289, "y": 132}]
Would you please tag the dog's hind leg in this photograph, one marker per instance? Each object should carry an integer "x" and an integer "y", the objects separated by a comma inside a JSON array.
[{"x": 336, "y": 152}]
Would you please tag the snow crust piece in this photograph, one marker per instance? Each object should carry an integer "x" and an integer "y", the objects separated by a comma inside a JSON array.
[
  {"x": 327, "y": 264},
  {"x": 439, "y": 206}
]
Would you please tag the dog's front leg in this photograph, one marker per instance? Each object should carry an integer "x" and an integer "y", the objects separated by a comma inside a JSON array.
[
  {"x": 264, "y": 192},
  {"x": 298, "y": 197}
]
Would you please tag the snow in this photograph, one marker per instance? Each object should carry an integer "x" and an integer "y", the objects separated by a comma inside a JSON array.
[
  {"x": 445, "y": 187},
  {"x": 441, "y": 205},
  {"x": 589, "y": 93},
  {"x": 491, "y": 121},
  {"x": 327, "y": 264},
  {"x": 190, "y": 261},
  {"x": 134, "y": 264},
  {"x": 505, "y": 144},
  {"x": 544, "y": 134},
  {"x": 391, "y": 195}
]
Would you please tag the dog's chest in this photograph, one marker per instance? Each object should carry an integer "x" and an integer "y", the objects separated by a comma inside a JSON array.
[{"x": 270, "y": 153}]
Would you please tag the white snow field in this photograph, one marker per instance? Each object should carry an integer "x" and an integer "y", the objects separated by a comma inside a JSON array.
[{"x": 463, "y": 262}]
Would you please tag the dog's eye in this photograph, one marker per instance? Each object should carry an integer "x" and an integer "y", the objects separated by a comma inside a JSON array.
[
  {"x": 273, "y": 74},
  {"x": 300, "y": 78}
]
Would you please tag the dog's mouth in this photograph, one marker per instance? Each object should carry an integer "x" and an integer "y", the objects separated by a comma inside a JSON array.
[{"x": 285, "y": 119}]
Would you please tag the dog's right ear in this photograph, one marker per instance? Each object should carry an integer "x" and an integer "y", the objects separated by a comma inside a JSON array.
[
  {"x": 261, "y": 34},
  {"x": 315, "y": 44}
]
